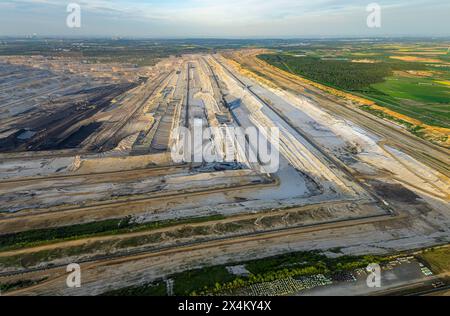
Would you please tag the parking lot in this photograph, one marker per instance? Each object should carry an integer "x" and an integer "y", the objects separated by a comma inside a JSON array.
[{"x": 398, "y": 274}]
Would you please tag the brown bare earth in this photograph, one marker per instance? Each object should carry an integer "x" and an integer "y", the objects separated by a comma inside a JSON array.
[{"x": 416, "y": 59}]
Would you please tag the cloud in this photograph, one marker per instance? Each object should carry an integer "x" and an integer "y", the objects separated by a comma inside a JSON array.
[{"x": 224, "y": 18}]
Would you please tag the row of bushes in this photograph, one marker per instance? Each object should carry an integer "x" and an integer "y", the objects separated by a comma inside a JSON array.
[{"x": 217, "y": 280}]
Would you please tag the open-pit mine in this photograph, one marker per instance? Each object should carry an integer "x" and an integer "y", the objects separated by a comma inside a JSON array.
[{"x": 87, "y": 174}]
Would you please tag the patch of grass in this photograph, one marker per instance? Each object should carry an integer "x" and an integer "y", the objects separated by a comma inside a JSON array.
[
  {"x": 384, "y": 115},
  {"x": 438, "y": 259},
  {"x": 416, "y": 89},
  {"x": 43, "y": 236},
  {"x": 217, "y": 280},
  {"x": 337, "y": 250},
  {"x": 138, "y": 52},
  {"x": 30, "y": 260},
  {"x": 149, "y": 290},
  {"x": 291, "y": 266},
  {"x": 422, "y": 98},
  {"x": 340, "y": 74},
  {"x": 413, "y": 129},
  {"x": 312, "y": 258}
]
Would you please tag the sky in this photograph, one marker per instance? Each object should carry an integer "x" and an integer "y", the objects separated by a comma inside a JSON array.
[{"x": 226, "y": 18}]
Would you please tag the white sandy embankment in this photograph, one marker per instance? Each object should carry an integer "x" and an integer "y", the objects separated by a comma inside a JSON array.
[{"x": 403, "y": 167}]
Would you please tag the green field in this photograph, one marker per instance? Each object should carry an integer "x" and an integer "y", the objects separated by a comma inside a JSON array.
[
  {"x": 421, "y": 90},
  {"x": 217, "y": 280},
  {"x": 422, "y": 99}
]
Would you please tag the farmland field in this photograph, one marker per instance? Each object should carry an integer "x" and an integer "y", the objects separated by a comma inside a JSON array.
[
  {"x": 438, "y": 259},
  {"x": 291, "y": 272},
  {"x": 409, "y": 79}
]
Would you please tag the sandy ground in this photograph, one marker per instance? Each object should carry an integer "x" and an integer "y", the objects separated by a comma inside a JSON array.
[{"x": 324, "y": 158}]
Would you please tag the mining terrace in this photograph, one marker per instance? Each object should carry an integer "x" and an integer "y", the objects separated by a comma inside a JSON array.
[{"x": 84, "y": 143}]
